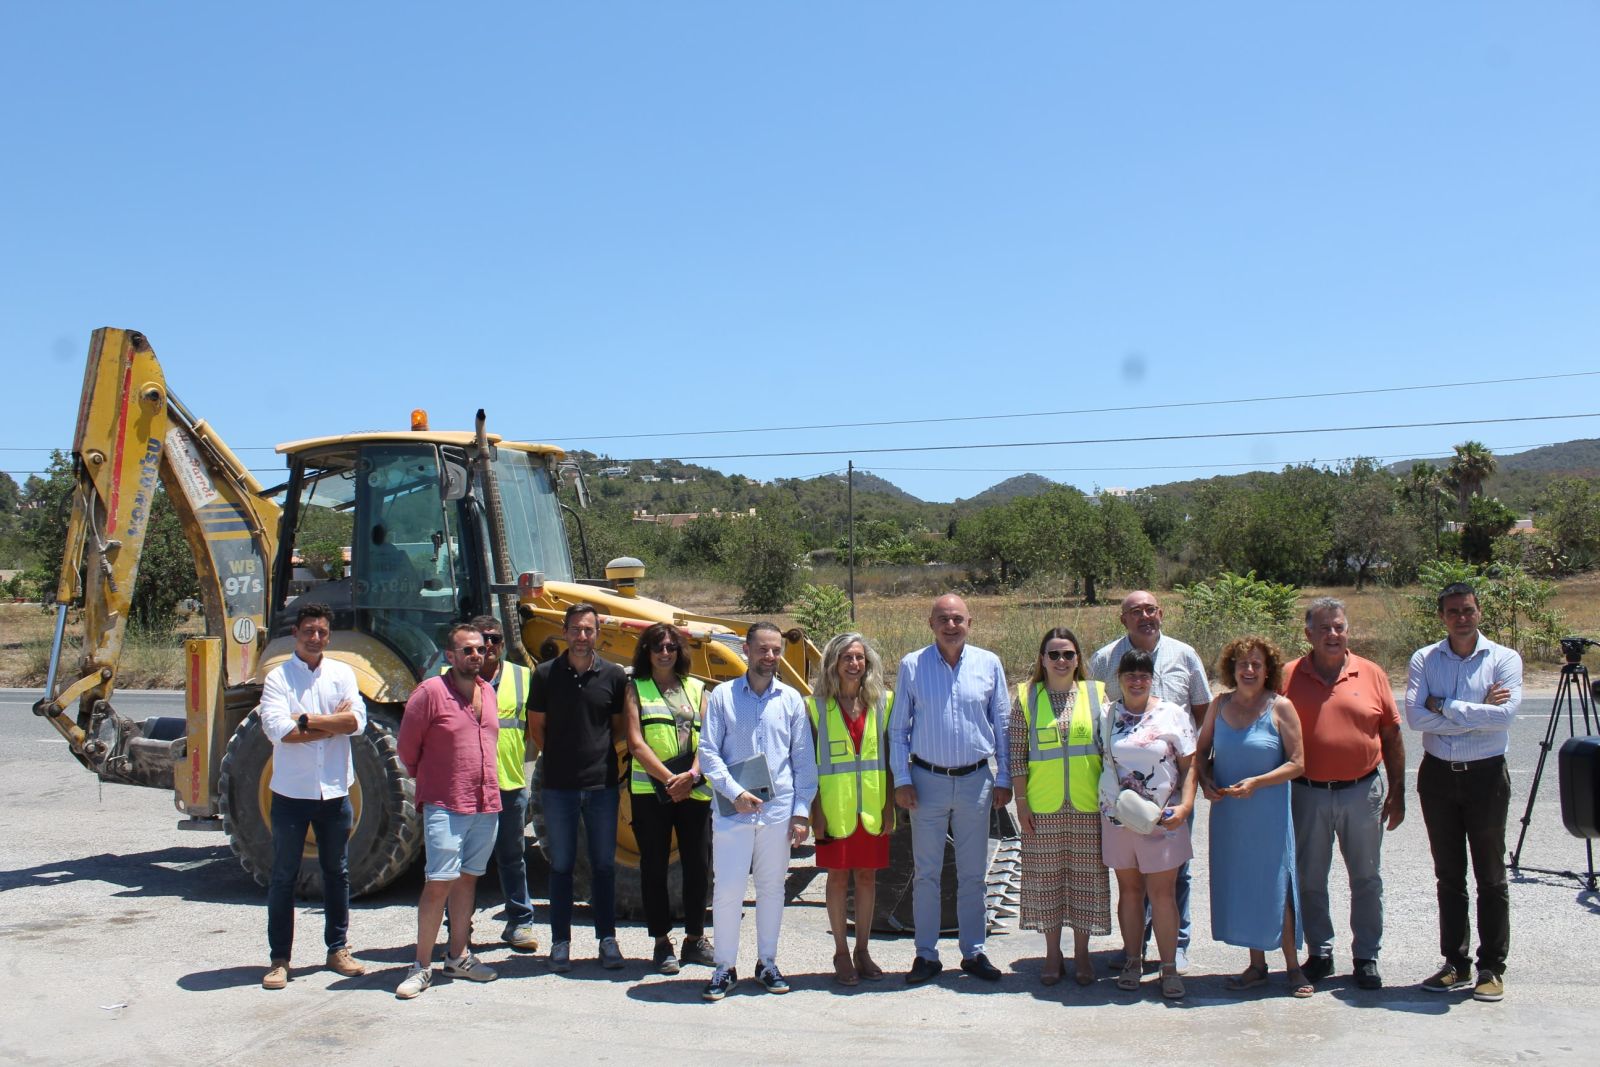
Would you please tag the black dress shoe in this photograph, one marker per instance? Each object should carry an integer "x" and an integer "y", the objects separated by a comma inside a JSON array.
[
  {"x": 922, "y": 970},
  {"x": 980, "y": 967},
  {"x": 1367, "y": 976},
  {"x": 1317, "y": 968}
]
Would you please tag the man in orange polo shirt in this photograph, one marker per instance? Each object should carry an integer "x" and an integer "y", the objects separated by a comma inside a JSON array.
[{"x": 1350, "y": 724}]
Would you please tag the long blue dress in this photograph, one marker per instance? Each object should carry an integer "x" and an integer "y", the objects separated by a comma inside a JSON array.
[{"x": 1252, "y": 840}]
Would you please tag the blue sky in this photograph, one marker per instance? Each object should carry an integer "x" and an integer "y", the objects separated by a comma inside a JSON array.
[{"x": 603, "y": 220}]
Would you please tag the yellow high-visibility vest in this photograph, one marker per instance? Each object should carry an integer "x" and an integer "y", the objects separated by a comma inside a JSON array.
[
  {"x": 660, "y": 729},
  {"x": 1049, "y": 758},
  {"x": 853, "y": 785}
]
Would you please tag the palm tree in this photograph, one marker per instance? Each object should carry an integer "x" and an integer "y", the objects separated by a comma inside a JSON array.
[
  {"x": 1473, "y": 463},
  {"x": 1425, "y": 489}
]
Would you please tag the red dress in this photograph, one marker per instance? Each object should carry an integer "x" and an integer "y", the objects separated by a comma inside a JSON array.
[{"x": 860, "y": 849}]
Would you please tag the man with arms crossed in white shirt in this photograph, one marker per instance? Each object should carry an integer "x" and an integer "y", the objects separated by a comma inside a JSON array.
[{"x": 310, "y": 705}]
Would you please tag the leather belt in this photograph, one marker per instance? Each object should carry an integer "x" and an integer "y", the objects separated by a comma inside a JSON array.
[
  {"x": 1337, "y": 785},
  {"x": 948, "y": 772},
  {"x": 1462, "y": 766}
]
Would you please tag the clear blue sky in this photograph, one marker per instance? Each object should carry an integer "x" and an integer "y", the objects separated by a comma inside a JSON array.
[{"x": 601, "y": 219}]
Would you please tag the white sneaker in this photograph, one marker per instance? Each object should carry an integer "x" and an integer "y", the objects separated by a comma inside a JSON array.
[
  {"x": 417, "y": 979},
  {"x": 470, "y": 967}
]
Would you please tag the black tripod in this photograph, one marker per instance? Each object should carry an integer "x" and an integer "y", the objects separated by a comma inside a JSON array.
[{"x": 1574, "y": 678}]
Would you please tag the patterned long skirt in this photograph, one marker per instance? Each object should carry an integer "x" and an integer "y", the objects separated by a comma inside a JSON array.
[{"x": 1064, "y": 883}]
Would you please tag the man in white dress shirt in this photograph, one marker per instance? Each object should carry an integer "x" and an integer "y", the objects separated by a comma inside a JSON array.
[{"x": 310, "y": 705}]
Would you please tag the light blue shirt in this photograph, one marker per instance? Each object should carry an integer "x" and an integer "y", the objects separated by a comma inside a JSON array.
[
  {"x": 950, "y": 716},
  {"x": 1463, "y": 729},
  {"x": 1180, "y": 676},
  {"x": 741, "y": 723}
]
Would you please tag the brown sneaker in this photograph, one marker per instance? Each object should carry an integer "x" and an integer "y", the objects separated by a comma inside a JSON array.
[
  {"x": 341, "y": 962},
  {"x": 277, "y": 975}
]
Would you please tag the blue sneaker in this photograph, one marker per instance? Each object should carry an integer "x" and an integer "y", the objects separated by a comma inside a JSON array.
[
  {"x": 771, "y": 978},
  {"x": 721, "y": 981}
]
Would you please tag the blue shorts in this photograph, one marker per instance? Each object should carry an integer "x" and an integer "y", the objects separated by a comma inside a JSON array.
[{"x": 457, "y": 844}]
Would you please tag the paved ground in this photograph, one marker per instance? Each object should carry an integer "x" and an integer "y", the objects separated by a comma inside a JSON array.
[{"x": 123, "y": 940}]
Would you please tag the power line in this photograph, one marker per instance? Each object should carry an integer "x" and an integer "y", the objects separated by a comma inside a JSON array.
[
  {"x": 1086, "y": 411},
  {"x": 1128, "y": 440}
]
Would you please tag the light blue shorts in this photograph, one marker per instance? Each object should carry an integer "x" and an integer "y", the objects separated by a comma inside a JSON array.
[{"x": 457, "y": 844}]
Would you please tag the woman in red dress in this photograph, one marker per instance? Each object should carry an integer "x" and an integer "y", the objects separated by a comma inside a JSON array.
[{"x": 853, "y": 813}]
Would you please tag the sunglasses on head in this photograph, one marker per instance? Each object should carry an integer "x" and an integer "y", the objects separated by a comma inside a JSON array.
[{"x": 1062, "y": 653}]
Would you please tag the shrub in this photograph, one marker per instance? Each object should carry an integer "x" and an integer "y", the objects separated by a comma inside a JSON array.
[
  {"x": 823, "y": 611},
  {"x": 1516, "y": 606},
  {"x": 1232, "y": 605}
]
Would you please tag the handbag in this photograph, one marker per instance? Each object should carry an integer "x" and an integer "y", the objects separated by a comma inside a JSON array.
[{"x": 1123, "y": 805}]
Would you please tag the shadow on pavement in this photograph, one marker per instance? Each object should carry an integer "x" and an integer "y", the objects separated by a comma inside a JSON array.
[{"x": 207, "y": 874}]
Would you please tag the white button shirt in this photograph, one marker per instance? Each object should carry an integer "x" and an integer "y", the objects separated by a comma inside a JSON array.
[{"x": 315, "y": 770}]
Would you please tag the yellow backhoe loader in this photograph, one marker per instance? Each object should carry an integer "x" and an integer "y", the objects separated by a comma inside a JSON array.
[{"x": 439, "y": 526}]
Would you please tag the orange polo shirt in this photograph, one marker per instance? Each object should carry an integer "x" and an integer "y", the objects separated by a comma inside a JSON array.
[{"x": 1341, "y": 722}]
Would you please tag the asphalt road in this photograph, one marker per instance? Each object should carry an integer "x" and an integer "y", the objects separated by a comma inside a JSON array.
[{"x": 124, "y": 940}]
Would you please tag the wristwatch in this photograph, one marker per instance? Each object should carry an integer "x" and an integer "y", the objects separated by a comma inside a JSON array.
[{"x": 305, "y": 723}]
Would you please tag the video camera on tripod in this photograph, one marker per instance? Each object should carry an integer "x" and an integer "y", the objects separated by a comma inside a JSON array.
[{"x": 1578, "y": 765}]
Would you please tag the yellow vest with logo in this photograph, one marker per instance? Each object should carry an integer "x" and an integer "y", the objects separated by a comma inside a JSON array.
[
  {"x": 511, "y": 698},
  {"x": 660, "y": 729},
  {"x": 852, "y": 786},
  {"x": 1052, "y": 764}
]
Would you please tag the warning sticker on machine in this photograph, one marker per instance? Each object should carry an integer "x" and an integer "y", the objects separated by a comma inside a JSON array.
[{"x": 191, "y": 472}]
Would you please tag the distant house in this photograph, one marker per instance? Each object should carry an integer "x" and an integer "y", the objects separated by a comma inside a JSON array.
[
  {"x": 684, "y": 518},
  {"x": 613, "y": 472},
  {"x": 1521, "y": 527}
]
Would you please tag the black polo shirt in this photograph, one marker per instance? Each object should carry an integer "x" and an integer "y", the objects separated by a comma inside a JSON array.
[{"x": 577, "y": 709}]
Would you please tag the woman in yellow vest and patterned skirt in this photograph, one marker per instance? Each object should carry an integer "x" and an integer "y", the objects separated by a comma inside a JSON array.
[
  {"x": 853, "y": 813},
  {"x": 1055, "y": 776},
  {"x": 664, "y": 709}
]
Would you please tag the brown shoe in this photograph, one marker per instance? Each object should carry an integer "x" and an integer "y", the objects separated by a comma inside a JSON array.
[
  {"x": 277, "y": 975},
  {"x": 341, "y": 962}
]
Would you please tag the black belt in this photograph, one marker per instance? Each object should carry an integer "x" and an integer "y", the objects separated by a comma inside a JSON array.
[
  {"x": 948, "y": 772},
  {"x": 1462, "y": 766},
  {"x": 1337, "y": 785}
]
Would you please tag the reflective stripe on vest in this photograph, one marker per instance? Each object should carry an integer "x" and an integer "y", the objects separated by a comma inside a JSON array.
[
  {"x": 852, "y": 786},
  {"x": 1051, "y": 765},
  {"x": 660, "y": 729}
]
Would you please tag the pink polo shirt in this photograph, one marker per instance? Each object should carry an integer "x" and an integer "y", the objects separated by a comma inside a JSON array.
[{"x": 450, "y": 753}]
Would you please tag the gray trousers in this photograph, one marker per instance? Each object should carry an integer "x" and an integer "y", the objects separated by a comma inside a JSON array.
[
  {"x": 1354, "y": 817},
  {"x": 959, "y": 808}
]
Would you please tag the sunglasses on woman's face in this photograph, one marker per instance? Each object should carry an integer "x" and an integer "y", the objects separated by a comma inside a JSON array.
[
  {"x": 1062, "y": 654},
  {"x": 665, "y": 647}
]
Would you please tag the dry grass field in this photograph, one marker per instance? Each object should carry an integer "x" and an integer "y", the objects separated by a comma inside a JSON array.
[{"x": 892, "y": 614}]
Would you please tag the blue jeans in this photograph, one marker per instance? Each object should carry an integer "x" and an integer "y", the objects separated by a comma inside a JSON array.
[
  {"x": 598, "y": 807},
  {"x": 331, "y": 820},
  {"x": 510, "y": 856},
  {"x": 959, "y": 807}
]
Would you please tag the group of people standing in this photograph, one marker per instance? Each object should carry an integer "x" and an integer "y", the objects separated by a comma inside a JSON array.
[{"x": 1104, "y": 758}]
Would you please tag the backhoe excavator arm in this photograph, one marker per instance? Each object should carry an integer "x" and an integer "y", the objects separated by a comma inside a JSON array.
[{"x": 131, "y": 433}]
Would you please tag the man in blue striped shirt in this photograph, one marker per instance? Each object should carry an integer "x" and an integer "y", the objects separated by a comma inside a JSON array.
[
  {"x": 1462, "y": 694},
  {"x": 951, "y": 711}
]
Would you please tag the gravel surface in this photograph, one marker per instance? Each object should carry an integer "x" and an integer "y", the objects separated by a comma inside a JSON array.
[{"x": 127, "y": 941}]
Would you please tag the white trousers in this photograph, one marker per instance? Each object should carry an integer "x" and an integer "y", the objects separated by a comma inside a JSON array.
[{"x": 735, "y": 853}]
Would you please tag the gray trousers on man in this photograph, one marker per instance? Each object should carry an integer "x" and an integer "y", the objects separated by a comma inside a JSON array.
[{"x": 1353, "y": 816}]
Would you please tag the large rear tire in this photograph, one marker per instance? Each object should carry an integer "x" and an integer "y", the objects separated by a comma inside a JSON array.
[{"x": 385, "y": 833}]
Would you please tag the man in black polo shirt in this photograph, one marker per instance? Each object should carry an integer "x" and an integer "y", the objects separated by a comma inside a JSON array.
[{"x": 575, "y": 716}]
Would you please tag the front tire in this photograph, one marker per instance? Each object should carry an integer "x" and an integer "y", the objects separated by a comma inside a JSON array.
[{"x": 385, "y": 832}]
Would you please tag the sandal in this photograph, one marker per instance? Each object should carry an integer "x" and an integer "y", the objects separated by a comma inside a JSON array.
[
  {"x": 1132, "y": 974},
  {"x": 1051, "y": 975},
  {"x": 1171, "y": 984},
  {"x": 1083, "y": 972},
  {"x": 1248, "y": 978},
  {"x": 843, "y": 971},
  {"x": 866, "y": 968},
  {"x": 1300, "y": 986}
]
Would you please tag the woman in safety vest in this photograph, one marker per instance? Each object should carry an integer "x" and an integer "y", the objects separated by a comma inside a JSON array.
[
  {"x": 664, "y": 710},
  {"x": 853, "y": 813},
  {"x": 1055, "y": 775}
]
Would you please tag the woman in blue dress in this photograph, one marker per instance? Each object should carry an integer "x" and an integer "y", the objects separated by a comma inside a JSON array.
[{"x": 1249, "y": 751}]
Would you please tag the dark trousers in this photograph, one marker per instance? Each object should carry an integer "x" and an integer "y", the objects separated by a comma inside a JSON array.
[
  {"x": 510, "y": 856},
  {"x": 598, "y": 810},
  {"x": 653, "y": 827},
  {"x": 331, "y": 820},
  {"x": 1465, "y": 812}
]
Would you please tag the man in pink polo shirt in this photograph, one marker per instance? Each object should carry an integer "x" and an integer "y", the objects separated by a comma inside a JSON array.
[{"x": 448, "y": 743}]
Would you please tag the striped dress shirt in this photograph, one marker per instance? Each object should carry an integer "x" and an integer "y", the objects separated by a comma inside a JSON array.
[
  {"x": 739, "y": 723},
  {"x": 1463, "y": 729},
  {"x": 950, "y": 716}
]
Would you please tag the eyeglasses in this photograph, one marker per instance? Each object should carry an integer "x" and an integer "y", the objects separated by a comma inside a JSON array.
[
  {"x": 665, "y": 647},
  {"x": 494, "y": 639},
  {"x": 1062, "y": 653},
  {"x": 474, "y": 650},
  {"x": 1147, "y": 610}
]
